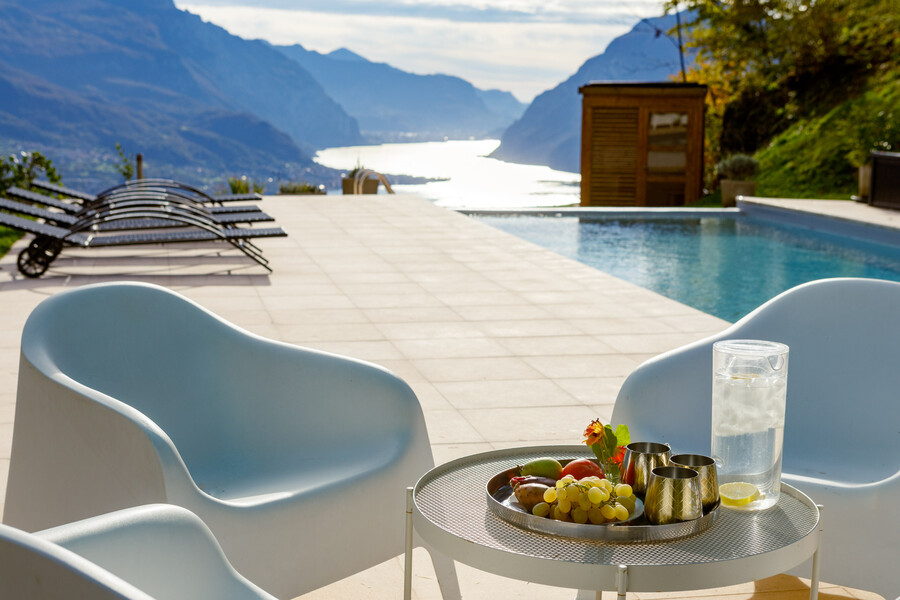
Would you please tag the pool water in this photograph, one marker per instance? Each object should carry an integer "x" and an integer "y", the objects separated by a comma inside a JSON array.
[{"x": 724, "y": 266}]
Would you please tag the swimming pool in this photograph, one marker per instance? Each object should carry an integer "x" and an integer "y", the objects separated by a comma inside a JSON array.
[{"x": 723, "y": 265}]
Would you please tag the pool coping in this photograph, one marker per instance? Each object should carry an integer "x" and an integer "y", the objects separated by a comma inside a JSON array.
[{"x": 598, "y": 212}]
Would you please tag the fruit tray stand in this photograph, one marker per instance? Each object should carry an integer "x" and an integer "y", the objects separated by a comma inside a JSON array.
[{"x": 448, "y": 509}]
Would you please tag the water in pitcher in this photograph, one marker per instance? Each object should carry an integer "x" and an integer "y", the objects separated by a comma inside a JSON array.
[
  {"x": 748, "y": 408},
  {"x": 748, "y": 432}
]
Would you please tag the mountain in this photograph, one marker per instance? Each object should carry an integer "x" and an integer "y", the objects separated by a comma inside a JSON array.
[
  {"x": 391, "y": 104},
  {"x": 549, "y": 133},
  {"x": 76, "y": 77}
]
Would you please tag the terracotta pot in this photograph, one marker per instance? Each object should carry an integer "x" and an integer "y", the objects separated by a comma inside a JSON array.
[
  {"x": 732, "y": 188},
  {"x": 370, "y": 186},
  {"x": 865, "y": 182}
]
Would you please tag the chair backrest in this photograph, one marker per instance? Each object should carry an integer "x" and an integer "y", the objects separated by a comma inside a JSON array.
[
  {"x": 227, "y": 399},
  {"x": 31, "y": 567},
  {"x": 843, "y": 380},
  {"x": 152, "y": 552}
]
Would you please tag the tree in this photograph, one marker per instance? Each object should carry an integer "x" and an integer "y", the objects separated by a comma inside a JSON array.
[
  {"x": 20, "y": 170},
  {"x": 786, "y": 59}
]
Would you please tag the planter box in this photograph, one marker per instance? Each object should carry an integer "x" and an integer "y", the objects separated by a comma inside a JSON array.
[
  {"x": 370, "y": 186},
  {"x": 732, "y": 188}
]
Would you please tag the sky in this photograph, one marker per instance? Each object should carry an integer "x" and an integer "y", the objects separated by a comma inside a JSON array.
[{"x": 521, "y": 46}]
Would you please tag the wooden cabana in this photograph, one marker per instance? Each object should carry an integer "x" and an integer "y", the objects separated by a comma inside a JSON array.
[{"x": 641, "y": 143}]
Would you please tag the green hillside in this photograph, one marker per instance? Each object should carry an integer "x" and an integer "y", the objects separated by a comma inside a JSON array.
[
  {"x": 817, "y": 157},
  {"x": 807, "y": 87}
]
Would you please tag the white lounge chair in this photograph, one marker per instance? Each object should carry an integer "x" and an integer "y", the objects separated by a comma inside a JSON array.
[
  {"x": 842, "y": 428},
  {"x": 297, "y": 460},
  {"x": 154, "y": 552}
]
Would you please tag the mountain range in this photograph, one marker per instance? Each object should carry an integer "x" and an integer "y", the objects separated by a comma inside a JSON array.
[
  {"x": 549, "y": 133},
  {"x": 406, "y": 106},
  {"x": 199, "y": 103}
]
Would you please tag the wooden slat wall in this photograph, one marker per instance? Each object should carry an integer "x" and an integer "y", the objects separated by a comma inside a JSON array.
[
  {"x": 614, "y": 140},
  {"x": 614, "y": 156}
]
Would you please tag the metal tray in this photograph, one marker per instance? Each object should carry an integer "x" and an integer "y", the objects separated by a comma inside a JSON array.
[{"x": 636, "y": 529}]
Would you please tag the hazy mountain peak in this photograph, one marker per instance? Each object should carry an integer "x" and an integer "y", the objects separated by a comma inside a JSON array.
[{"x": 345, "y": 54}]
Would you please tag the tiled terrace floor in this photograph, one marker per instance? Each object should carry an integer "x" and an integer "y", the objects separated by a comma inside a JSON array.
[{"x": 505, "y": 343}]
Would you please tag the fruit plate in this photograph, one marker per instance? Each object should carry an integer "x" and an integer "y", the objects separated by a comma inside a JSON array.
[{"x": 637, "y": 529}]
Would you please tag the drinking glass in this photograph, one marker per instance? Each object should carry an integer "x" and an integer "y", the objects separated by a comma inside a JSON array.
[{"x": 748, "y": 403}]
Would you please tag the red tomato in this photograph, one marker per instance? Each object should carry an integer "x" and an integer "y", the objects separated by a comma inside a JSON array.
[{"x": 581, "y": 468}]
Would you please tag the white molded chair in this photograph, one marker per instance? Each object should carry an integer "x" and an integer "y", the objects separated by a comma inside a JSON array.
[
  {"x": 153, "y": 552},
  {"x": 842, "y": 426},
  {"x": 297, "y": 460}
]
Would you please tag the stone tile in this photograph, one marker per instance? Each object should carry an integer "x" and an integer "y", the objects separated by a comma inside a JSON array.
[
  {"x": 475, "y": 369},
  {"x": 592, "y": 390},
  {"x": 446, "y": 452},
  {"x": 594, "y": 365},
  {"x": 556, "y": 346},
  {"x": 430, "y": 330},
  {"x": 550, "y": 424},
  {"x": 532, "y": 328},
  {"x": 451, "y": 427},
  {"x": 504, "y": 394},
  {"x": 473, "y": 347}
]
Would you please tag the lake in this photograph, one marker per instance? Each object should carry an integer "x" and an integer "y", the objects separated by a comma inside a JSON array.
[{"x": 469, "y": 178}]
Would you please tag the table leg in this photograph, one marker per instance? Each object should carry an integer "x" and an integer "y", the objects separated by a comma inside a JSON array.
[
  {"x": 407, "y": 564},
  {"x": 622, "y": 582},
  {"x": 814, "y": 582}
]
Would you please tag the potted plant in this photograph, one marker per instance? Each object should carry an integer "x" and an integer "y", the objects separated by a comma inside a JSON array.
[
  {"x": 867, "y": 133},
  {"x": 736, "y": 174},
  {"x": 369, "y": 184}
]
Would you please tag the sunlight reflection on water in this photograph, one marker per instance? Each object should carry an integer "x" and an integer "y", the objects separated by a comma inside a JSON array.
[{"x": 472, "y": 179}]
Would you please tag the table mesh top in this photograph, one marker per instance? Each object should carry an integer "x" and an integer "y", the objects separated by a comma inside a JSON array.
[{"x": 458, "y": 489}]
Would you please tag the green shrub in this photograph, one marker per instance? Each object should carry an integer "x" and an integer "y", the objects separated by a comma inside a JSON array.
[
  {"x": 20, "y": 171},
  {"x": 737, "y": 166},
  {"x": 126, "y": 163},
  {"x": 241, "y": 185},
  {"x": 302, "y": 187}
]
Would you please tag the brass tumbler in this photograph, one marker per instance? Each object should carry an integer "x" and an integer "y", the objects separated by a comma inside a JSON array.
[
  {"x": 673, "y": 495},
  {"x": 706, "y": 468},
  {"x": 639, "y": 460}
]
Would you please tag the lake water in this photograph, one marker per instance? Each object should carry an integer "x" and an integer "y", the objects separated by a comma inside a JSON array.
[{"x": 469, "y": 178}]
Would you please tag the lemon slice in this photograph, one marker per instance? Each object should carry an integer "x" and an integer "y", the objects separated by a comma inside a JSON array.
[{"x": 738, "y": 493}]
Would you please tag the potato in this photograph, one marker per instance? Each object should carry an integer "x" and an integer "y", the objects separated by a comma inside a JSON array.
[{"x": 529, "y": 494}]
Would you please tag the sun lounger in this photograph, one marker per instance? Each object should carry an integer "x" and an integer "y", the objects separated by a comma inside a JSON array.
[
  {"x": 49, "y": 240},
  {"x": 139, "y": 184},
  {"x": 99, "y": 215},
  {"x": 75, "y": 207}
]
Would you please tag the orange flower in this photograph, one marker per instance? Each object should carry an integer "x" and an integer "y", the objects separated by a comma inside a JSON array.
[
  {"x": 619, "y": 456},
  {"x": 594, "y": 432}
]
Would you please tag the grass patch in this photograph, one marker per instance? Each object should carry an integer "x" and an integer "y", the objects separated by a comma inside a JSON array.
[
  {"x": 814, "y": 157},
  {"x": 8, "y": 237}
]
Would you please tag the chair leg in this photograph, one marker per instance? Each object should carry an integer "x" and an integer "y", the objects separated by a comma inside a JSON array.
[{"x": 445, "y": 570}]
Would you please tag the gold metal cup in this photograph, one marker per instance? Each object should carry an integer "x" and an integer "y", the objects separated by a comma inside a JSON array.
[
  {"x": 706, "y": 468},
  {"x": 673, "y": 495},
  {"x": 639, "y": 460}
]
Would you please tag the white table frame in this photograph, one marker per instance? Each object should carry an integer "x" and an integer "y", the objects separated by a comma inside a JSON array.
[{"x": 603, "y": 577}]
